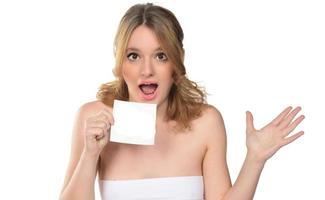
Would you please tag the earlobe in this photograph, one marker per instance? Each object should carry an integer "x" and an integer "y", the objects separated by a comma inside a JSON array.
[
  {"x": 175, "y": 79},
  {"x": 121, "y": 72},
  {"x": 117, "y": 71}
]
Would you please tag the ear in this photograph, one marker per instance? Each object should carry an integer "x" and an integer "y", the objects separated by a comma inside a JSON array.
[{"x": 174, "y": 76}]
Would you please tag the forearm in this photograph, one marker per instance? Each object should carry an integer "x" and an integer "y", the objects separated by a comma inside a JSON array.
[
  {"x": 246, "y": 183},
  {"x": 81, "y": 184}
]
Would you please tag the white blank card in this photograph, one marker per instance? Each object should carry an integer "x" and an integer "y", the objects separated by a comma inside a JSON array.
[{"x": 134, "y": 123}]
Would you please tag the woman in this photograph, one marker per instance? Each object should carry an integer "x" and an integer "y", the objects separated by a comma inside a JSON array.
[{"x": 188, "y": 160}]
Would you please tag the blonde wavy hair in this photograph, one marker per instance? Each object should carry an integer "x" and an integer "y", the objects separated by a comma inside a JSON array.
[{"x": 186, "y": 98}]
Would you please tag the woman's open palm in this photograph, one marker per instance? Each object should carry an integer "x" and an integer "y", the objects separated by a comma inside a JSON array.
[{"x": 265, "y": 142}]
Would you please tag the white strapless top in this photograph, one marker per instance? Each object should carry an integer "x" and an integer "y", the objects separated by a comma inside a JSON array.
[{"x": 165, "y": 188}]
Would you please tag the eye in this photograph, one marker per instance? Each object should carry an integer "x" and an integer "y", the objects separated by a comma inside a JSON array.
[
  {"x": 161, "y": 56},
  {"x": 132, "y": 56}
]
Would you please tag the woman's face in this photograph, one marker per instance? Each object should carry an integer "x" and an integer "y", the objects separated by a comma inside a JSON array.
[{"x": 146, "y": 69}]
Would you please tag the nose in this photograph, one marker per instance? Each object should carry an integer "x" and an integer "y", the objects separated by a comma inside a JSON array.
[{"x": 147, "y": 68}]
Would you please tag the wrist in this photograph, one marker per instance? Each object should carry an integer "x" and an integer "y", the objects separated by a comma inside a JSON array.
[
  {"x": 90, "y": 156},
  {"x": 254, "y": 159}
]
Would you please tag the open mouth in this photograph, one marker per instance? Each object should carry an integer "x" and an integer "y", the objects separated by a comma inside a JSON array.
[{"x": 148, "y": 88}]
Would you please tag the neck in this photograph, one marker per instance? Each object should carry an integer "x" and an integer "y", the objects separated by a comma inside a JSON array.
[{"x": 162, "y": 110}]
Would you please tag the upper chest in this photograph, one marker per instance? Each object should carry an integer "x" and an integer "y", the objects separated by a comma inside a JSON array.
[{"x": 171, "y": 150}]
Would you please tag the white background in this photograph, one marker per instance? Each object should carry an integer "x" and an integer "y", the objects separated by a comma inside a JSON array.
[{"x": 251, "y": 55}]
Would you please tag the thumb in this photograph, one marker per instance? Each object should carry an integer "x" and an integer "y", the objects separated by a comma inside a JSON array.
[{"x": 249, "y": 122}]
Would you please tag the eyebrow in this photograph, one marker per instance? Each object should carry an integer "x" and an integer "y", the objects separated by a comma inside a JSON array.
[{"x": 136, "y": 49}]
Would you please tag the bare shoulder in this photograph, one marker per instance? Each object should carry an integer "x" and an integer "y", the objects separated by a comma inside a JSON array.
[
  {"x": 211, "y": 117},
  {"x": 210, "y": 111},
  {"x": 92, "y": 107},
  {"x": 211, "y": 125}
]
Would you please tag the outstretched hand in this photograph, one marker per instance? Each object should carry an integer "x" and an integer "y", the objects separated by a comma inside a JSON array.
[{"x": 262, "y": 144}]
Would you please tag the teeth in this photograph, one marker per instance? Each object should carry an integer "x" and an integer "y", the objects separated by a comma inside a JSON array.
[{"x": 148, "y": 84}]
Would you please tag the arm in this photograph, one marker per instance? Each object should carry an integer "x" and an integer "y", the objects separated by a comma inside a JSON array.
[
  {"x": 81, "y": 173},
  {"x": 261, "y": 145},
  {"x": 81, "y": 184},
  {"x": 215, "y": 170}
]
